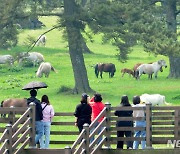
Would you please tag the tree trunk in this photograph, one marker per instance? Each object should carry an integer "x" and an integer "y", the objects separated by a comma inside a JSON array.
[
  {"x": 74, "y": 42},
  {"x": 84, "y": 46},
  {"x": 170, "y": 7},
  {"x": 174, "y": 67}
]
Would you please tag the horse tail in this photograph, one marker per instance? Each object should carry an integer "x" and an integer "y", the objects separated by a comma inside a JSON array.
[
  {"x": 2, "y": 103},
  {"x": 96, "y": 70},
  {"x": 53, "y": 69}
]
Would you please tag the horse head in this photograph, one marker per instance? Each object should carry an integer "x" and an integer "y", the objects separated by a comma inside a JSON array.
[{"x": 162, "y": 63}]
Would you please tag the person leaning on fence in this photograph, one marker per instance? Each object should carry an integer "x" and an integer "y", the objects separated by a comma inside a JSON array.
[
  {"x": 124, "y": 102},
  {"x": 48, "y": 114},
  {"x": 38, "y": 113},
  {"x": 97, "y": 106},
  {"x": 142, "y": 123},
  {"x": 83, "y": 112}
]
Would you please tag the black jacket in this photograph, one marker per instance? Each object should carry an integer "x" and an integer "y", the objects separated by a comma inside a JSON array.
[
  {"x": 38, "y": 110},
  {"x": 83, "y": 113},
  {"x": 124, "y": 114}
]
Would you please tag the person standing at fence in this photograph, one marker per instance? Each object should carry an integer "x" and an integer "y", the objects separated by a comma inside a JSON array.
[
  {"x": 124, "y": 102},
  {"x": 142, "y": 123},
  {"x": 97, "y": 106},
  {"x": 38, "y": 113},
  {"x": 83, "y": 112},
  {"x": 48, "y": 114}
]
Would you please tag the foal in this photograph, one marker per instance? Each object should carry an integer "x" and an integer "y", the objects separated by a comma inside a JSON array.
[{"x": 126, "y": 70}]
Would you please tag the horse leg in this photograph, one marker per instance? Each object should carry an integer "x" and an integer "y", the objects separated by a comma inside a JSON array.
[
  {"x": 155, "y": 75},
  {"x": 122, "y": 74},
  {"x": 101, "y": 75}
]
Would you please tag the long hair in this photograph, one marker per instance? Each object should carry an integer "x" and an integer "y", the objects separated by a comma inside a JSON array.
[
  {"x": 125, "y": 101},
  {"x": 45, "y": 99}
]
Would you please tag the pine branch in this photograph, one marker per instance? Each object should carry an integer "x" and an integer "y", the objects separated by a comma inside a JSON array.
[{"x": 33, "y": 44}]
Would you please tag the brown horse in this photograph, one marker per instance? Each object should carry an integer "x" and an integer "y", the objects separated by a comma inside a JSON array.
[
  {"x": 15, "y": 102},
  {"x": 128, "y": 71},
  {"x": 105, "y": 67}
]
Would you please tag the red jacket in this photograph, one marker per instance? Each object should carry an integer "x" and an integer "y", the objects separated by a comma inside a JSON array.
[{"x": 97, "y": 107}]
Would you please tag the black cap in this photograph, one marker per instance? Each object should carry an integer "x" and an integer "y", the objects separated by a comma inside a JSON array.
[{"x": 84, "y": 95}]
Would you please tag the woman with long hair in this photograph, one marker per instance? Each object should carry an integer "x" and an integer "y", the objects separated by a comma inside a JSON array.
[
  {"x": 124, "y": 102},
  {"x": 48, "y": 114}
]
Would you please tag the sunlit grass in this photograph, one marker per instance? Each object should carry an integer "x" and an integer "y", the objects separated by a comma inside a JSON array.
[{"x": 56, "y": 52}]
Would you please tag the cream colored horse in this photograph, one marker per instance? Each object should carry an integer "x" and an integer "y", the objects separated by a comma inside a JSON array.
[
  {"x": 45, "y": 68},
  {"x": 150, "y": 68}
]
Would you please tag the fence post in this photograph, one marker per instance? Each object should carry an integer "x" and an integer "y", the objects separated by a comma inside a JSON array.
[
  {"x": 86, "y": 127},
  {"x": 9, "y": 137},
  {"x": 32, "y": 124},
  {"x": 148, "y": 125},
  {"x": 176, "y": 130},
  {"x": 12, "y": 115},
  {"x": 108, "y": 116},
  {"x": 67, "y": 150}
]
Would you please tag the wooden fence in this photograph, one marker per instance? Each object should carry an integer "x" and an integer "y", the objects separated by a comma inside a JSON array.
[
  {"x": 162, "y": 128},
  {"x": 19, "y": 132}
]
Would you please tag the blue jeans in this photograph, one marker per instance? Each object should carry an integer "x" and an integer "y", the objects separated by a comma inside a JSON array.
[
  {"x": 91, "y": 140},
  {"x": 139, "y": 133},
  {"x": 44, "y": 140},
  {"x": 39, "y": 130}
]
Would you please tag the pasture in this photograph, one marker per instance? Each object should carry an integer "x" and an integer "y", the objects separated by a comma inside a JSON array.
[{"x": 56, "y": 52}]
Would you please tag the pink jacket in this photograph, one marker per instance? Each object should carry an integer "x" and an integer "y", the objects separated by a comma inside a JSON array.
[{"x": 48, "y": 112}]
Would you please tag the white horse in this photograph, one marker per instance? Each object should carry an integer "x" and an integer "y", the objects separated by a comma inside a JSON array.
[
  {"x": 44, "y": 68},
  {"x": 41, "y": 40},
  {"x": 6, "y": 59},
  {"x": 150, "y": 68},
  {"x": 154, "y": 99},
  {"x": 35, "y": 57}
]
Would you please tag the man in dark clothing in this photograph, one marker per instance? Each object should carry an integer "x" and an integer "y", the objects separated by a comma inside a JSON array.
[{"x": 38, "y": 114}]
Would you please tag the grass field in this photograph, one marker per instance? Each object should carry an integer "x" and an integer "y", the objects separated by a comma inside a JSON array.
[{"x": 56, "y": 52}]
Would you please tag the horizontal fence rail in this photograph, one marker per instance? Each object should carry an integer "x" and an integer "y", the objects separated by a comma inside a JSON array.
[
  {"x": 162, "y": 128},
  {"x": 20, "y": 130}
]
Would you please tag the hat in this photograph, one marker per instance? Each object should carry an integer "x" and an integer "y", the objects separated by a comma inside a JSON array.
[{"x": 84, "y": 95}]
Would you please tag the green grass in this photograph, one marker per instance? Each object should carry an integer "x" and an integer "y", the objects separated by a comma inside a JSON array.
[{"x": 56, "y": 52}]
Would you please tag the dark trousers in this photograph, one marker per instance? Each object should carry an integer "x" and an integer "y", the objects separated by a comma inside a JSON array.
[
  {"x": 121, "y": 143},
  {"x": 80, "y": 128}
]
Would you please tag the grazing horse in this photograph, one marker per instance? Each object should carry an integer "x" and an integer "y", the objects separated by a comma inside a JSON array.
[
  {"x": 15, "y": 102},
  {"x": 128, "y": 71},
  {"x": 34, "y": 57},
  {"x": 44, "y": 68},
  {"x": 150, "y": 68},
  {"x": 105, "y": 67},
  {"x": 6, "y": 59},
  {"x": 41, "y": 40}
]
